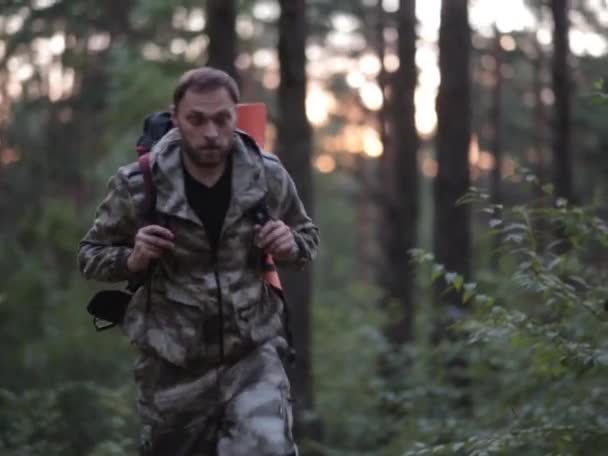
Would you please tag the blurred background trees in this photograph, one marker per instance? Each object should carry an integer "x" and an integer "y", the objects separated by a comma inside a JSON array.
[{"x": 385, "y": 113}]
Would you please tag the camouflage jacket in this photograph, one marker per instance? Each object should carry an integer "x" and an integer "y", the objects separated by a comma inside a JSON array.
[{"x": 177, "y": 314}]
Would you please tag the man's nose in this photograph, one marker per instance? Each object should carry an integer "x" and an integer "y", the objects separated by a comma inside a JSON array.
[{"x": 209, "y": 130}]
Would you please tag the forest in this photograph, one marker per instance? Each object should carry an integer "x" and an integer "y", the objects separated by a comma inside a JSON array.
[{"x": 453, "y": 153}]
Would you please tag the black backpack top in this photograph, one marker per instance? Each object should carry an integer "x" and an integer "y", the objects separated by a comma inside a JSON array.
[{"x": 156, "y": 125}]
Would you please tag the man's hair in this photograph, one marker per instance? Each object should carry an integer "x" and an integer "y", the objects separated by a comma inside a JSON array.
[{"x": 204, "y": 79}]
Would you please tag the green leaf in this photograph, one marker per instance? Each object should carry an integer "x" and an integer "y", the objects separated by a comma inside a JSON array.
[
  {"x": 548, "y": 189},
  {"x": 599, "y": 85},
  {"x": 438, "y": 271},
  {"x": 450, "y": 277},
  {"x": 467, "y": 296},
  {"x": 556, "y": 261},
  {"x": 458, "y": 282},
  {"x": 515, "y": 227},
  {"x": 514, "y": 238}
]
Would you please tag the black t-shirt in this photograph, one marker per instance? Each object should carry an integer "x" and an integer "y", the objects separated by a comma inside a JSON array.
[{"x": 210, "y": 203}]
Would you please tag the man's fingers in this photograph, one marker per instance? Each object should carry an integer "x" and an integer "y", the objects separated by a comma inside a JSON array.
[
  {"x": 277, "y": 233},
  {"x": 282, "y": 249},
  {"x": 281, "y": 243},
  {"x": 270, "y": 232},
  {"x": 276, "y": 238},
  {"x": 156, "y": 241},
  {"x": 158, "y": 230},
  {"x": 152, "y": 252},
  {"x": 268, "y": 228}
]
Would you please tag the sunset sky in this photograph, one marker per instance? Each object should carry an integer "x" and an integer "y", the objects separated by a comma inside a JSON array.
[{"x": 325, "y": 59}]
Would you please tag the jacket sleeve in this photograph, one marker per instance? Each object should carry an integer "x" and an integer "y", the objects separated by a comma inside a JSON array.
[
  {"x": 293, "y": 213},
  {"x": 107, "y": 245}
]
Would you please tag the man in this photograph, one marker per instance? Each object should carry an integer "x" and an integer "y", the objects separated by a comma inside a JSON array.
[{"x": 209, "y": 330}]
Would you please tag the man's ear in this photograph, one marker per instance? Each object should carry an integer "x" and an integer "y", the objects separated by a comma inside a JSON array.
[{"x": 173, "y": 114}]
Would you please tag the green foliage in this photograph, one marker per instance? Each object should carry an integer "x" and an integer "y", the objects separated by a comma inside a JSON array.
[
  {"x": 535, "y": 344},
  {"x": 532, "y": 349},
  {"x": 58, "y": 393},
  {"x": 347, "y": 339},
  {"x": 601, "y": 92},
  {"x": 56, "y": 421}
]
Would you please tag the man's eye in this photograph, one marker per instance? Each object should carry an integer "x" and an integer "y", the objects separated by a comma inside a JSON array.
[
  {"x": 221, "y": 120},
  {"x": 195, "y": 119}
]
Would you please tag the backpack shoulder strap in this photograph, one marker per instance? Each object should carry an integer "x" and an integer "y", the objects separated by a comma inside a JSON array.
[{"x": 149, "y": 188}]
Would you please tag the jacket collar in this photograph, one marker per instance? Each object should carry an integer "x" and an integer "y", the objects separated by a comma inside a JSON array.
[{"x": 248, "y": 178}]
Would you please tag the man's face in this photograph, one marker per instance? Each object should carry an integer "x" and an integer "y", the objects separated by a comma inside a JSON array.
[{"x": 206, "y": 121}]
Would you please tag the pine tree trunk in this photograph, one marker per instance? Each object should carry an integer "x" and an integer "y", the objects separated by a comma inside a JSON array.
[
  {"x": 540, "y": 139},
  {"x": 400, "y": 170},
  {"x": 562, "y": 89},
  {"x": 496, "y": 119},
  {"x": 451, "y": 222},
  {"x": 539, "y": 112},
  {"x": 539, "y": 84},
  {"x": 294, "y": 148},
  {"x": 221, "y": 30}
]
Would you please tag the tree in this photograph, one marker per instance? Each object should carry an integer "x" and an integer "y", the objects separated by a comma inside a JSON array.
[
  {"x": 540, "y": 123},
  {"x": 562, "y": 90},
  {"x": 451, "y": 221},
  {"x": 64, "y": 117},
  {"x": 294, "y": 147},
  {"x": 400, "y": 179},
  {"x": 221, "y": 30},
  {"x": 496, "y": 116}
]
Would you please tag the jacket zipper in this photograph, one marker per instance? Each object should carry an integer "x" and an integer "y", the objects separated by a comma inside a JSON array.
[{"x": 220, "y": 303}]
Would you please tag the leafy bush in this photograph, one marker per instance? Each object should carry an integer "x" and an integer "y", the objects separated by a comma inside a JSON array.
[
  {"x": 77, "y": 418},
  {"x": 532, "y": 347},
  {"x": 536, "y": 350}
]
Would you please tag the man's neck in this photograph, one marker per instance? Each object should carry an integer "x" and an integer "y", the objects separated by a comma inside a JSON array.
[{"x": 207, "y": 176}]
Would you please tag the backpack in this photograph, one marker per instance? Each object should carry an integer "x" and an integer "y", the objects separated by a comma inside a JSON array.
[{"x": 108, "y": 307}]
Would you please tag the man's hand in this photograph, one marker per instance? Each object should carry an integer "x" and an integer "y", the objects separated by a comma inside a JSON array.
[
  {"x": 151, "y": 242},
  {"x": 276, "y": 238}
]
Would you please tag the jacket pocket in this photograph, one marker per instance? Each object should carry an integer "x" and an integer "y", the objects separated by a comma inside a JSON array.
[{"x": 188, "y": 294}]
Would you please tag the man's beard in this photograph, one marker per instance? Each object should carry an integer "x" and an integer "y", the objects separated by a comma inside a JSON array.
[{"x": 199, "y": 158}]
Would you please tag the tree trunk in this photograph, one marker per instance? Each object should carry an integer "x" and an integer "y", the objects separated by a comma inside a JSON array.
[
  {"x": 73, "y": 121},
  {"x": 496, "y": 119},
  {"x": 221, "y": 30},
  {"x": 451, "y": 225},
  {"x": 562, "y": 89},
  {"x": 539, "y": 84},
  {"x": 540, "y": 139},
  {"x": 451, "y": 222},
  {"x": 400, "y": 179},
  {"x": 539, "y": 112},
  {"x": 369, "y": 230},
  {"x": 294, "y": 148}
]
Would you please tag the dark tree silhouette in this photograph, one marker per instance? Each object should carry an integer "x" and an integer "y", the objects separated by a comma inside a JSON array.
[
  {"x": 496, "y": 119},
  {"x": 400, "y": 181},
  {"x": 221, "y": 30},
  {"x": 451, "y": 222},
  {"x": 294, "y": 148},
  {"x": 562, "y": 89}
]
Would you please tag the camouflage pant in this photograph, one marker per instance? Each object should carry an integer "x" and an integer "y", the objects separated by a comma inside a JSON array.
[{"x": 241, "y": 409}]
